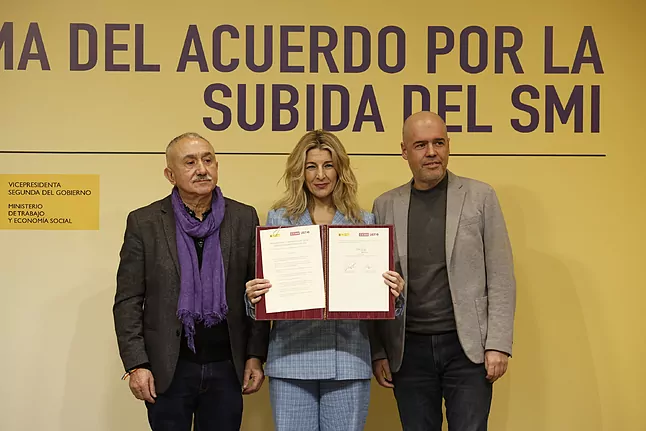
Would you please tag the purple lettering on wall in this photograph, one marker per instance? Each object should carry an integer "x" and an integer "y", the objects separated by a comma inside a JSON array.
[
  {"x": 443, "y": 108},
  {"x": 33, "y": 38},
  {"x": 217, "y": 48},
  {"x": 6, "y": 42},
  {"x": 534, "y": 116},
  {"x": 286, "y": 48},
  {"x": 268, "y": 49},
  {"x": 343, "y": 107},
  {"x": 483, "y": 42},
  {"x": 310, "y": 99},
  {"x": 192, "y": 39},
  {"x": 409, "y": 91},
  {"x": 501, "y": 49},
  {"x": 587, "y": 40},
  {"x": 595, "y": 112},
  {"x": 140, "y": 64},
  {"x": 382, "y": 53},
  {"x": 111, "y": 48},
  {"x": 326, "y": 50},
  {"x": 277, "y": 106},
  {"x": 472, "y": 106},
  {"x": 348, "y": 64},
  {"x": 574, "y": 103},
  {"x": 368, "y": 100},
  {"x": 549, "y": 54},
  {"x": 92, "y": 47},
  {"x": 223, "y": 109},
  {"x": 242, "y": 108},
  {"x": 434, "y": 50}
]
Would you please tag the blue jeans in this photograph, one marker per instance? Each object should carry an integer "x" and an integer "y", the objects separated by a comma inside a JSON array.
[
  {"x": 435, "y": 367},
  {"x": 210, "y": 393}
]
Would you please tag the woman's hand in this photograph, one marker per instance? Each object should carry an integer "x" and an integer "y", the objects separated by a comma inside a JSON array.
[
  {"x": 395, "y": 281},
  {"x": 256, "y": 288}
]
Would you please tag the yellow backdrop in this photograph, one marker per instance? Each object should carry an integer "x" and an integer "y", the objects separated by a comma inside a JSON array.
[{"x": 576, "y": 222}]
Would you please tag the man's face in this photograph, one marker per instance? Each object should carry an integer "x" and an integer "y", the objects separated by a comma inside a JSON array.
[
  {"x": 426, "y": 148},
  {"x": 192, "y": 167}
]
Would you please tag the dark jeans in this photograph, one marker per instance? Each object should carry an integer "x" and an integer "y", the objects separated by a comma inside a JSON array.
[
  {"x": 436, "y": 367},
  {"x": 211, "y": 392}
]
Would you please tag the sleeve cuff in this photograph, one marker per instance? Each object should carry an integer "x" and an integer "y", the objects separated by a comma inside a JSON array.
[
  {"x": 145, "y": 365},
  {"x": 400, "y": 304},
  {"x": 249, "y": 307}
]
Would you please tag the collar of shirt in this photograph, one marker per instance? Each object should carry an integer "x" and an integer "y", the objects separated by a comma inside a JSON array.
[
  {"x": 192, "y": 213},
  {"x": 439, "y": 188}
]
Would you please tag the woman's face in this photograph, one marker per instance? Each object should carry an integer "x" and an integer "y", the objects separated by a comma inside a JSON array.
[{"x": 320, "y": 174}]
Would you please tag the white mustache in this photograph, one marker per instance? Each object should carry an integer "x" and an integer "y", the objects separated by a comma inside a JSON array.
[{"x": 202, "y": 178}]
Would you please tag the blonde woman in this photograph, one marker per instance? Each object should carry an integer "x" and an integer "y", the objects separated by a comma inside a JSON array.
[{"x": 319, "y": 370}]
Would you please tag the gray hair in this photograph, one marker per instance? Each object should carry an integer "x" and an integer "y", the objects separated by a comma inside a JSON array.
[{"x": 188, "y": 135}]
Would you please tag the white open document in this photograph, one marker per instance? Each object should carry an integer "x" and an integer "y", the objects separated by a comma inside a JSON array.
[
  {"x": 357, "y": 259},
  {"x": 293, "y": 264}
]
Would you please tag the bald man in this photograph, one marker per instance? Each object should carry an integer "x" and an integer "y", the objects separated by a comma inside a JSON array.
[
  {"x": 186, "y": 343},
  {"x": 455, "y": 336}
]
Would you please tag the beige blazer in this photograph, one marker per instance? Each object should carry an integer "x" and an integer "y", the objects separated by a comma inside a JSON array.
[{"x": 480, "y": 269}]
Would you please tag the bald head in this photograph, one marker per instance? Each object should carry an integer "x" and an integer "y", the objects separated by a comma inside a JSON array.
[
  {"x": 425, "y": 145},
  {"x": 422, "y": 119}
]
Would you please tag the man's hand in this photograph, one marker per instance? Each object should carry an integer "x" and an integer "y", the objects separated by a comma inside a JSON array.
[
  {"x": 496, "y": 364},
  {"x": 381, "y": 370},
  {"x": 253, "y": 376},
  {"x": 142, "y": 385}
]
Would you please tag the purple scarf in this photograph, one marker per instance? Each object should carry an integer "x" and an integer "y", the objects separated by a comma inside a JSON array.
[{"x": 202, "y": 292}]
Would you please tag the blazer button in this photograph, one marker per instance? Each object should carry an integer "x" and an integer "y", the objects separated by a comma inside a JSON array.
[{"x": 178, "y": 332}]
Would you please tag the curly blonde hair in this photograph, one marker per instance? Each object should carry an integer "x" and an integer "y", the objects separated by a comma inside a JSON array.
[{"x": 297, "y": 197}]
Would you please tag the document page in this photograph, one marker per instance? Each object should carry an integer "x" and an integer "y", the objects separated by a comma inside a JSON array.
[
  {"x": 358, "y": 258},
  {"x": 293, "y": 264}
]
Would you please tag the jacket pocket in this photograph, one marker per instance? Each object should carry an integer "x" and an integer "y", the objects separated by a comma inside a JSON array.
[{"x": 482, "y": 311}]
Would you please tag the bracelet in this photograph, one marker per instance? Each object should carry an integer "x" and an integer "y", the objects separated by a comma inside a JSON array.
[{"x": 127, "y": 373}]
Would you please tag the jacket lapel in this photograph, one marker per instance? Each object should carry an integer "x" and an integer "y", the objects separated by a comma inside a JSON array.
[
  {"x": 338, "y": 218},
  {"x": 401, "y": 203},
  {"x": 305, "y": 219},
  {"x": 454, "y": 201},
  {"x": 226, "y": 233},
  {"x": 168, "y": 221}
]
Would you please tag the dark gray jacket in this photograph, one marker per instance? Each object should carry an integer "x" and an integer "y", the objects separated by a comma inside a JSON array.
[{"x": 148, "y": 283}]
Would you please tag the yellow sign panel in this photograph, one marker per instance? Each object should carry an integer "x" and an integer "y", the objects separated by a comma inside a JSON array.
[{"x": 49, "y": 202}]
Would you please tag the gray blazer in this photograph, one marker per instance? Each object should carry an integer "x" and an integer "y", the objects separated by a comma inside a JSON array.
[
  {"x": 148, "y": 282},
  {"x": 479, "y": 263}
]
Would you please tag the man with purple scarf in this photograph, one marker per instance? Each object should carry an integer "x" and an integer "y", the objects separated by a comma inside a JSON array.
[{"x": 186, "y": 343}]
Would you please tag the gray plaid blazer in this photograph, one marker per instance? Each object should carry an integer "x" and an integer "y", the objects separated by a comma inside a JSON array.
[{"x": 318, "y": 350}]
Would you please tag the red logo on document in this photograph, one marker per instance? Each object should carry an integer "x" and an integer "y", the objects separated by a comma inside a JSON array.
[
  {"x": 294, "y": 233},
  {"x": 364, "y": 234}
]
